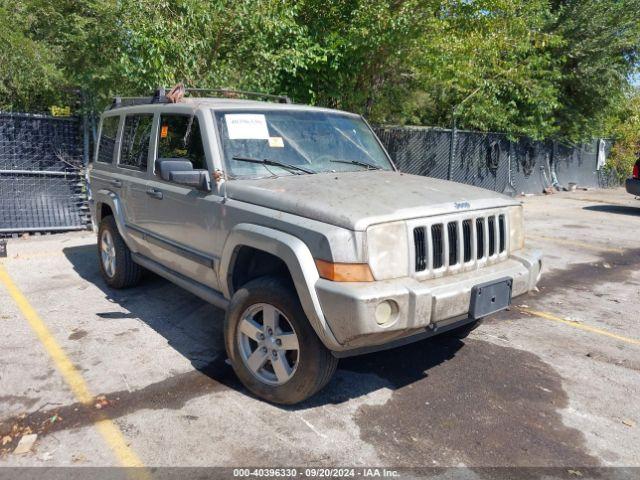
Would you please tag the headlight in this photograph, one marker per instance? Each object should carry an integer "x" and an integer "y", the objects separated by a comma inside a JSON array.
[
  {"x": 388, "y": 249},
  {"x": 516, "y": 228}
]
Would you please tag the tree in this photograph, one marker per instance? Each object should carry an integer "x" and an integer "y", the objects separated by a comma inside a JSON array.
[
  {"x": 599, "y": 51},
  {"x": 624, "y": 128},
  {"x": 362, "y": 51},
  {"x": 543, "y": 68},
  {"x": 28, "y": 75},
  {"x": 493, "y": 55}
]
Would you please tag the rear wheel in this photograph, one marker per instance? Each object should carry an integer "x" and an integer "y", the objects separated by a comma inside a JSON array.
[
  {"x": 116, "y": 265},
  {"x": 271, "y": 345}
]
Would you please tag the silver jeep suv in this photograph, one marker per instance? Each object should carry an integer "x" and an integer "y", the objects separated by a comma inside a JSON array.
[{"x": 295, "y": 220}]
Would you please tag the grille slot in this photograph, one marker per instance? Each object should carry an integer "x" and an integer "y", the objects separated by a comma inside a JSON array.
[
  {"x": 438, "y": 244},
  {"x": 452, "y": 228},
  {"x": 492, "y": 235},
  {"x": 466, "y": 239},
  {"x": 421, "y": 248},
  {"x": 480, "y": 238},
  {"x": 457, "y": 243}
]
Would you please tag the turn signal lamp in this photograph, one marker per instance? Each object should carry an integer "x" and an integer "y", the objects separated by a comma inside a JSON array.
[{"x": 344, "y": 272}]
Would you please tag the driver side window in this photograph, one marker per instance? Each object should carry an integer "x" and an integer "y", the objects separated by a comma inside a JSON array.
[{"x": 179, "y": 138}]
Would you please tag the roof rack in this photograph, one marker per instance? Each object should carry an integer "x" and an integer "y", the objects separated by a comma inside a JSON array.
[
  {"x": 159, "y": 96},
  {"x": 229, "y": 93}
]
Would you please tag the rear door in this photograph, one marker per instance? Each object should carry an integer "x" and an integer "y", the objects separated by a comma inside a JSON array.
[
  {"x": 132, "y": 172},
  {"x": 102, "y": 168},
  {"x": 181, "y": 222}
]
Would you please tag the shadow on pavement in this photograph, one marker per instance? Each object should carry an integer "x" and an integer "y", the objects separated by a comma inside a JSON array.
[
  {"x": 617, "y": 209},
  {"x": 437, "y": 402},
  {"x": 194, "y": 328}
]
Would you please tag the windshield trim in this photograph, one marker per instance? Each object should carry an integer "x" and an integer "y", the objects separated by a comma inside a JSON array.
[{"x": 224, "y": 162}]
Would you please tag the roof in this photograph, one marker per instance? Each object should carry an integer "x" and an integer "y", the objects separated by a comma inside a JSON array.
[{"x": 223, "y": 104}]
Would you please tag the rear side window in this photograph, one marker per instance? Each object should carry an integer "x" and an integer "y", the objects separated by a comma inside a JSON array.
[
  {"x": 179, "y": 137},
  {"x": 135, "y": 140},
  {"x": 107, "y": 144}
]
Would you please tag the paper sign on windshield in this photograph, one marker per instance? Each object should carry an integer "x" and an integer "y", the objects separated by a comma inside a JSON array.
[
  {"x": 276, "y": 142},
  {"x": 247, "y": 126}
]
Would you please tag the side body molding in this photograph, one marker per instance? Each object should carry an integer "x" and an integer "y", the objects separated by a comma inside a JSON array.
[
  {"x": 107, "y": 197},
  {"x": 298, "y": 259}
]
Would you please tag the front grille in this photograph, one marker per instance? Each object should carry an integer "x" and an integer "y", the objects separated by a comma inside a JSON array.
[
  {"x": 459, "y": 242},
  {"x": 480, "y": 237},
  {"x": 492, "y": 235},
  {"x": 466, "y": 239},
  {"x": 421, "y": 249},
  {"x": 438, "y": 246},
  {"x": 452, "y": 229}
]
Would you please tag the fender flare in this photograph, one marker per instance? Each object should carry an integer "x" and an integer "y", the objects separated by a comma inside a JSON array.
[
  {"x": 298, "y": 259},
  {"x": 107, "y": 197}
]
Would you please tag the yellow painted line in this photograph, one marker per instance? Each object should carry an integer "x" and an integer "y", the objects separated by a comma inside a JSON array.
[
  {"x": 580, "y": 326},
  {"x": 575, "y": 243},
  {"x": 109, "y": 431}
]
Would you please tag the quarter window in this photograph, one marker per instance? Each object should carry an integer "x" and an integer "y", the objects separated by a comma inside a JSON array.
[
  {"x": 108, "y": 134},
  {"x": 179, "y": 137},
  {"x": 135, "y": 140}
]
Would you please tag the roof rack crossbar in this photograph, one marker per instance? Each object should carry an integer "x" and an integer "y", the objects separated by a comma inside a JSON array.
[
  {"x": 229, "y": 92},
  {"x": 158, "y": 96}
]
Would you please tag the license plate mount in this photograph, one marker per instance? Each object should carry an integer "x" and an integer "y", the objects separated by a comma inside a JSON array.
[{"x": 490, "y": 297}]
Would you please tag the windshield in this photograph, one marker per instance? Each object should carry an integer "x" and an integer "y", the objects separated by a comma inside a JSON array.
[{"x": 311, "y": 140}]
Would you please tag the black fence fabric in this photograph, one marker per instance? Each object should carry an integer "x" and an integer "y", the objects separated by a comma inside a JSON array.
[
  {"x": 42, "y": 185},
  {"x": 492, "y": 161},
  {"x": 41, "y": 174}
]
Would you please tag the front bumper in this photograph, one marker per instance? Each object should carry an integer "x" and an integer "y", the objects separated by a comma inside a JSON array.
[
  {"x": 633, "y": 186},
  {"x": 349, "y": 308}
]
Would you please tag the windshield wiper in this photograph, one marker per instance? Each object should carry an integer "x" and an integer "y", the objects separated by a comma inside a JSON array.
[
  {"x": 368, "y": 166},
  {"x": 272, "y": 163}
]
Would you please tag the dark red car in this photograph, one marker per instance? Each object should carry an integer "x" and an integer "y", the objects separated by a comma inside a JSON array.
[{"x": 633, "y": 183}]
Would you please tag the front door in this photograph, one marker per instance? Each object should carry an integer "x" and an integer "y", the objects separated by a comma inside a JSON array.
[{"x": 180, "y": 222}]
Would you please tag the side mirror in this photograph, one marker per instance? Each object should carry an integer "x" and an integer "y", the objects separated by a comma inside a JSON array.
[
  {"x": 196, "y": 178},
  {"x": 181, "y": 171}
]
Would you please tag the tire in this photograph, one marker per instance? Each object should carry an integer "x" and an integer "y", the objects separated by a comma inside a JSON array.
[
  {"x": 463, "y": 332},
  {"x": 124, "y": 272},
  {"x": 310, "y": 367}
]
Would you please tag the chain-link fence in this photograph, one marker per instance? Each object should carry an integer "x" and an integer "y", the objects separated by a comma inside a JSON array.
[
  {"x": 493, "y": 161},
  {"x": 41, "y": 174},
  {"x": 42, "y": 161}
]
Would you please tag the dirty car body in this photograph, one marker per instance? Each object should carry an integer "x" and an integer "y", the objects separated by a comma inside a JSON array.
[{"x": 374, "y": 258}]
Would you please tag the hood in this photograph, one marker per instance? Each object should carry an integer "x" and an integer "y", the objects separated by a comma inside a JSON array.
[{"x": 355, "y": 200}]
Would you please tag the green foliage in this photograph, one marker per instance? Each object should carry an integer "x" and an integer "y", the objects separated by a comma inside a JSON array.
[
  {"x": 599, "y": 52},
  {"x": 490, "y": 61},
  {"x": 28, "y": 76},
  {"x": 541, "y": 68},
  {"x": 625, "y": 129}
]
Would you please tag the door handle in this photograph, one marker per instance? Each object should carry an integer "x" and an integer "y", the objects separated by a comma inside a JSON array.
[
  {"x": 152, "y": 192},
  {"x": 116, "y": 183}
]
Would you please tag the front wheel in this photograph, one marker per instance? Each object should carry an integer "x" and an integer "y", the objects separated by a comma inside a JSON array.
[{"x": 271, "y": 345}]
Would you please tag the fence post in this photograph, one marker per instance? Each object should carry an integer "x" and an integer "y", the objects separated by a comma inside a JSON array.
[
  {"x": 85, "y": 140},
  {"x": 452, "y": 149}
]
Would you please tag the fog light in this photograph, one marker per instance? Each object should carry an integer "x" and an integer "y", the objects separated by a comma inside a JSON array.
[{"x": 386, "y": 312}]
